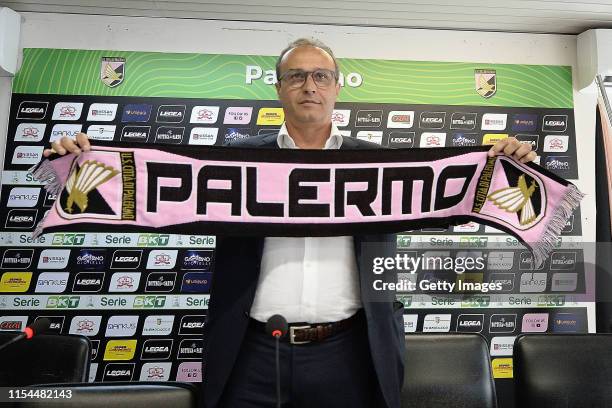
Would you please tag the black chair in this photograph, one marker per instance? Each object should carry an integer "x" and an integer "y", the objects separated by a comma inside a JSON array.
[
  {"x": 447, "y": 370},
  {"x": 123, "y": 394},
  {"x": 563, "y": 370},
  {"x": 47, "y": 358}
]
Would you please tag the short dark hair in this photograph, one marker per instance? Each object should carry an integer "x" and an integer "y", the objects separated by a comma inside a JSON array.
[{"x": 307, "y": 42}]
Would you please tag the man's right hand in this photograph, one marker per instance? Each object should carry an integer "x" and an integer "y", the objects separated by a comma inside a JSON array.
[{"x": 67, "y": 145}]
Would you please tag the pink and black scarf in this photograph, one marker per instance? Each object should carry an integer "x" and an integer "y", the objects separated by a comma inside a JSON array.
[{"x": 269, "y": 192}]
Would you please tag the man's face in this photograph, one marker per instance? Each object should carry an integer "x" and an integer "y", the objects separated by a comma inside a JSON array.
[{"x": 308, "y": 104}]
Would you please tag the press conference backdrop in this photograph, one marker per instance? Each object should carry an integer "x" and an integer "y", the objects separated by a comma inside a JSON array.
[{"x": 142, "y": 298}]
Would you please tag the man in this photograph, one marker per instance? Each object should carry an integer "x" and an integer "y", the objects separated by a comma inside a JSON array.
[{"x": 346, "y": 345}]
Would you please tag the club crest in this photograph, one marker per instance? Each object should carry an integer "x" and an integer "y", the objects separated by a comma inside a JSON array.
[
  {"x": 486, "y": 82},
  {"x": 112, "y": 71}
]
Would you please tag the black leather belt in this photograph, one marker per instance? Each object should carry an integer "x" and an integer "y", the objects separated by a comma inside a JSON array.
[{"x": 302, "y": 333}]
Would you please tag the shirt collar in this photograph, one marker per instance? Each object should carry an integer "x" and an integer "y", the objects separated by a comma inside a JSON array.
[{"x": 334, "y": 141}]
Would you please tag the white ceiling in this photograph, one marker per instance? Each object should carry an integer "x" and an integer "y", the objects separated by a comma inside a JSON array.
[{"x": 533, "y": 16}]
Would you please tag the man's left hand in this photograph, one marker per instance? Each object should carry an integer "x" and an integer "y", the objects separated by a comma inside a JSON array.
[{"x": 510, "y": 146}]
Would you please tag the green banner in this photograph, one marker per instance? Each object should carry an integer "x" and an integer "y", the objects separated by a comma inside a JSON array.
[{"x": 226, "y": 76}]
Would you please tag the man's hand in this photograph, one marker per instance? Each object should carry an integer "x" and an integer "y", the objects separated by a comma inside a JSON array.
[
  {"x": 510, "y": 146},
  {"x": 67, "y": 145}
]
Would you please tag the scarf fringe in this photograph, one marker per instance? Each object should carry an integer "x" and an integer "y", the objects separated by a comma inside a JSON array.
[
  {"x": 45, "y": 173},
  {"x": 548, "y": 241}
]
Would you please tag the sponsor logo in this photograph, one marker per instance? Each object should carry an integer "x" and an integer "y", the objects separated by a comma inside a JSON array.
[
  {"x": 149, "y": 302},
  {"x": 368, "y": 118},
  {"x": 13, "y": 323},
  {"x": 429, "y": 139},
  {"x": 23, "y": 197},
  {"x": 197, "y": 260},
  {"x": 30, "y": 132},
  {"x": 203, "y": 136},
  {"x": 492, "y": 138},
  {"x": 398, "y": 139},
  {"x": 189, "y": 371},
  {"x": 52, "y": 282},
  {"x": 569, "y": 225},
  {"x": 53, "y": 259},
  {"x": 436, "y": 323},
  {"x": 464, "y": 139},
  {"x": 485, "y": 81},
  {"x": 63, "y": 302},
  {"x": 126, "y": 259},
  {"x": 502, "y": 367},
  {"x": 17, "y": 258},
  {"x": 529, "y": 139},
  {"x": 191, "y": 325},
  {"x": 190, "y": 349},
  {"x": 506, "y": 280},
  {"x": 463, "y": 121},
  {"x": 121, "y": 326},
  {"x": 563, "y": 261},
  {"x": 135, "y": 133},
  {"x": 533, "y": 282},
  {"x": 15, "y": 282},
  {"x": 494, "y": 121},
  {"x": 57, "y": 323},
  {"x": 238, "y": 115},
  {"x": 112, "y": 71},
  {"x": 101, "y": 132},
  {"x": 67, "y": 111},
  {"x": 150, "y": 240},
  {"x": 232, "y": 134},
  {"x": 134, "y": 112},
  {"x": 155, "y": 349},
  {"x": 524, "y": 122},
  {"x": 370, "y": 136},
  {"x": 470, "y": 226},
  {"x": 49, "y": 199},
  {"x": 34, "y": 110},
  {"x": 400, "y": 119},
  {"x": 557, "y": 163},
  {"x": 124, "y": 282},
  {"x": 554, "y": 123},
  {"x": 170, "y": 114},
  {"x": 204, "y": 114},
  {"x": 564, "y": 282},
  {"x": 270, "y": 116},
  {"x": 526, "y": 262},
  {"x": 158, "y": 325},
  {"x": 171, "y": 135},
  {"x": 93, "y": 371},
  {"x": 85, "y": 325},
  {"x": 64, "y": 130},
  {"x": 432, "y": 120},
  {"x": 535, "y": 323},
  {"x": 162, "y": 259},
  {"x": 160, "y": 282},
  {"x": 102, "y": 112},
  {"x": 21, "y": 219},
  {"x": 500, "y": 260},
  {"x": 341, "y": 117},
  {"x": 502, "y": 346},
  {"x": 470, "y": 323},
  {"x": 410, "y": 323},
  {"x": 27, "y": 154},
  {"x": 196, "y": 282},
  {"x": 502, "y": 323},
  {"x": 91, "y": 259},
  {"x": 88, "y": 282},
  {"x": 155, "y": 371},
  {"x": 556, "y": 143},
  {"x": 566, "y": 323},
  {"x": 120, "y": 350},
  {"x": 118, "y": 372}
]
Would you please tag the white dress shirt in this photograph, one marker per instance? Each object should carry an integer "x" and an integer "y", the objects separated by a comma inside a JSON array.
[{"x": 307, "y": 279}]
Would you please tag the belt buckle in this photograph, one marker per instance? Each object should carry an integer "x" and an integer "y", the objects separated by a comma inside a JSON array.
[{"x": 292, "y": 334}]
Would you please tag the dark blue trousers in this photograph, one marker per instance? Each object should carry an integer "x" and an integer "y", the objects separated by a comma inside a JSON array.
[{"x": 337, "y": 372}]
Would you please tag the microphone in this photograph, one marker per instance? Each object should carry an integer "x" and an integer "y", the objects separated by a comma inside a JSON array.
[
  {"x": 38, "y": 327},
  {"x": 277, "y": 326}
]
